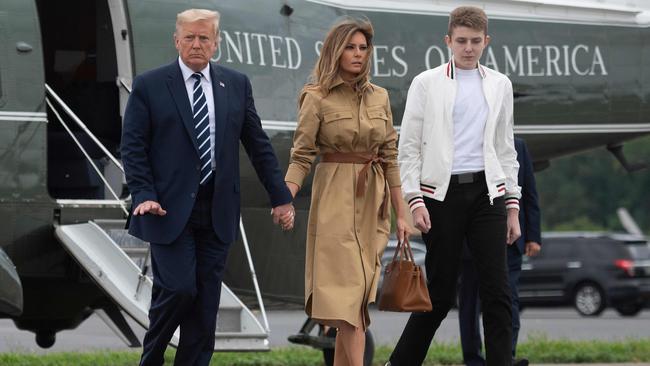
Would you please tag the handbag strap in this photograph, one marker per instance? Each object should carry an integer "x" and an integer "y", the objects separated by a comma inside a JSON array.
[
  {"x": 403, "y": 250},
  {"x": 407, "y": 250}
]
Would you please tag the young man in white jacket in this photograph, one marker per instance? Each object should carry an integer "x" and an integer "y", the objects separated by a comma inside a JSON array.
[{"x": 459, "y": 174}]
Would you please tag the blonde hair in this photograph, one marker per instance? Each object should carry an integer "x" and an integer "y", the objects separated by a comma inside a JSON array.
[
  {"x": 468, "y": 16},
  {"x": 195, "y": 15},
  {"x": 327, "y": 67}
]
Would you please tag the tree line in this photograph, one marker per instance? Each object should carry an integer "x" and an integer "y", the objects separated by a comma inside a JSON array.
[{"x": 583, "y": 191}]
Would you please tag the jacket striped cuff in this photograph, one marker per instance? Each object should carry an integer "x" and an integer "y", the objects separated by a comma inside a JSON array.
[
  {"x": 416, "y": 202},
  {"x": 512, "y": 202}
]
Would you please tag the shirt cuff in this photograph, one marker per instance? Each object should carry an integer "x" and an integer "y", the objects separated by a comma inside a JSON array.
[
  {"x": 393, "y": 178},
  {"x": 294, "y": 175}
]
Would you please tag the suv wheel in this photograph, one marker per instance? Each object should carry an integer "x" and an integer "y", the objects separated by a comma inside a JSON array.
[
  {"x": 629, "y": 309},
  {"x": 589, "y": 299}
]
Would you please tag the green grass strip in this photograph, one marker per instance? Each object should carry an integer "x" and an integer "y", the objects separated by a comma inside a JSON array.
[{"x": 538, "y": 349}]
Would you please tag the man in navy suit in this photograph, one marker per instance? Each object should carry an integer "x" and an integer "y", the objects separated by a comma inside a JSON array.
[
  {"x": 180, "y": 148},
  {"x": 528, "y": 244}
]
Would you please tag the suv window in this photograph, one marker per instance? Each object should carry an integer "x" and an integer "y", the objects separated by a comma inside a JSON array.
[
  {"x": 603, "y": 249},
  {"x": 558, "y": 248},
  {"x": 639, "y": 250}
]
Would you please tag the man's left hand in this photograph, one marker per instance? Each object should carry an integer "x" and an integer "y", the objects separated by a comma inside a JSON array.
[
  {"x": 514, "y": 231},
  {"x": 532, "y": 248},
  {"x": 284, "y": 215}
]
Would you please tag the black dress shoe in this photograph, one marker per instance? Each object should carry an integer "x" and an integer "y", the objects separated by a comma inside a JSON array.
[{"x": 520, "y": 362}]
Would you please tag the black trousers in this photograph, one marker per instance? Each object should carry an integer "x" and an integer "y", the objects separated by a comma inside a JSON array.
[
  {"x": 466, "y": 212},
  {"x": 186, "y": 290}
]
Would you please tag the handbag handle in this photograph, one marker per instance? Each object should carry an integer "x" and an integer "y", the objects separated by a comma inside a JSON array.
[{"x": 404, "y": 250}]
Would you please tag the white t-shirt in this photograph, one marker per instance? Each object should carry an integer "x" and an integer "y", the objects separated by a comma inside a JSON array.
[{"x": 469, "y": 116}]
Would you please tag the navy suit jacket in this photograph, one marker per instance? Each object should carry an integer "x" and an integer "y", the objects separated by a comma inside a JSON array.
[
  {"x": 529, "y": 214},
  {"x": 161, "y": 159}
]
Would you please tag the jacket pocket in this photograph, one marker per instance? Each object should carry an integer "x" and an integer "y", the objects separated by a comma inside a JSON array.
[
  {"x": 378, "y": 119},
  {"x": 336, "y": 116},
  {"x": 331, "y": 130},
  {"x": 377, "y": 113}
]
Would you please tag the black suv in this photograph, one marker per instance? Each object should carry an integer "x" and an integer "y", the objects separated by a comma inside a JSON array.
[{"x": 589, "y": 271}]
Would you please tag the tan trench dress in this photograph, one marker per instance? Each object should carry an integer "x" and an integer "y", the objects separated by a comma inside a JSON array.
[{"x": 346, "y": 235}]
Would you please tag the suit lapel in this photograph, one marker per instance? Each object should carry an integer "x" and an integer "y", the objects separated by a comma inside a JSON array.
[
  {"x": 220, "y": 94},
  {"x": 176, "y": 86}
]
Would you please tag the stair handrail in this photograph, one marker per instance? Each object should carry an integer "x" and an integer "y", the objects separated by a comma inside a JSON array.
[
  {"x": 90, "y": 160},
  {"x": 83, "y": 127},
  {"x": 124, "y": 84},
  {"x": 249, "y": 258}
]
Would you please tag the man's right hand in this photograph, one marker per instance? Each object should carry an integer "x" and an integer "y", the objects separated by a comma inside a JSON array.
[
  {"x": 149, "y": 207},
  {"x": 421, "y": 219}
]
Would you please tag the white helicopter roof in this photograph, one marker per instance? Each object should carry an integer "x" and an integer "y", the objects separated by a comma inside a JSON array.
[{"x": 634, "y": 13}]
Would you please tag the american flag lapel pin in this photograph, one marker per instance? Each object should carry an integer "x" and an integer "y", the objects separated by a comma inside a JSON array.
[{"x": 221, "y": 84}]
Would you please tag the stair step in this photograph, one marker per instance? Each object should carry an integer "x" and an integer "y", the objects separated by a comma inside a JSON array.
[{"x": 229, "y": 320}]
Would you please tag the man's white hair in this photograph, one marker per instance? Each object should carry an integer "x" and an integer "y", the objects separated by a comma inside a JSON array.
[{"x": 194, "y": 15}]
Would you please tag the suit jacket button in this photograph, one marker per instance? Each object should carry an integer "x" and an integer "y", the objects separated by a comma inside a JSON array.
[
  {"x": 193, "y": 194},
  {"x": 198, "y": 167}
]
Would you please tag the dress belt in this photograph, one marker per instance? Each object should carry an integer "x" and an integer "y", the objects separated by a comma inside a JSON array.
[{"x": 368, "y": 159}]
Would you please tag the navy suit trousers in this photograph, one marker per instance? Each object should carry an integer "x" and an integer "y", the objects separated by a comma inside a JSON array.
[
  {"x": 186, "y": 290},
  {"x": 469, "y": 307}
]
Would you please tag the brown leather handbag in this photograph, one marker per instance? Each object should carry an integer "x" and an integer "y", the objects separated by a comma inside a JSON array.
[{"x": 404, "y": 287}]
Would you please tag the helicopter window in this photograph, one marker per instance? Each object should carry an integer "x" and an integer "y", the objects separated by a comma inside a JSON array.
[{"x": 3, "y": 61}]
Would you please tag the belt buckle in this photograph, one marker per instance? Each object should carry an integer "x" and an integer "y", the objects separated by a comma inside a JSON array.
[{"x": 465, "y": 178}]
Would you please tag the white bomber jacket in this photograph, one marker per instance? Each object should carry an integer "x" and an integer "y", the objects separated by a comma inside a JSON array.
[{"x": 426, "y": 144}]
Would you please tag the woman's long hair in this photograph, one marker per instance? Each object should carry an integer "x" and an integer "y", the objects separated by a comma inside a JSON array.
[{"x": 327, "y": 68}]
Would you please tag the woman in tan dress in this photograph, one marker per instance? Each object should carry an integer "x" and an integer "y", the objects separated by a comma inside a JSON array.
[{"x": 347, "y": 121}]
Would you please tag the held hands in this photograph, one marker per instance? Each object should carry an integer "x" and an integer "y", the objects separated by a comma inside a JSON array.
[
  {"x": 149, "y": 207},
  {"x": 284, "y": 215},
  {"x": 421, "y": 219},
  {"x": 514, "y": 231}
]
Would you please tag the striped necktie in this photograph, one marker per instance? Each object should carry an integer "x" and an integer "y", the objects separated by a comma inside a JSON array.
[{"x": 202, "y": 127}]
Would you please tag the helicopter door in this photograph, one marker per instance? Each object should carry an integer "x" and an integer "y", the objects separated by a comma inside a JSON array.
[{"x": 81, "y": 67}]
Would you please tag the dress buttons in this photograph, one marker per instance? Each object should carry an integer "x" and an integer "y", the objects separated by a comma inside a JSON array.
[
  {"x": 192, "y": 194},
  {"x": 198, "y": 167}
]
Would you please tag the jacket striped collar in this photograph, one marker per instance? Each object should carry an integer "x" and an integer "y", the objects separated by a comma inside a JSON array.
[{"x": 450, "y": 71}]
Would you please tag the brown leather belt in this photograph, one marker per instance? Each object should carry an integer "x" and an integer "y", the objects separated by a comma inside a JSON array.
[{"x": 366, "y": 158}]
